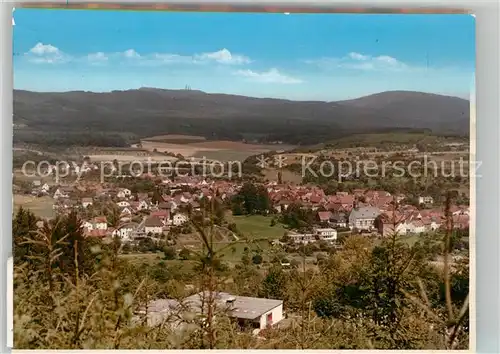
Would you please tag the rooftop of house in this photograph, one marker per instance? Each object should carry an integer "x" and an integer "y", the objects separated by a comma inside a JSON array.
[
  {"x": 100, "y": 219},
  {"x": 237, "y": 306},
  {"x": 325, "y": 229},
  {"x": 161, "y": 213},
  {"x": 129, "y": 225},
  {"x": 153, "y": 221},
  {"x": 365, "y": 212},
  {"x": 164, "y": 205},
  {"x": 96, "y": 233},
  {"x": 324, "y": 215}
]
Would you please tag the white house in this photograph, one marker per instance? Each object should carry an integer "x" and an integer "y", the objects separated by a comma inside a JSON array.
[
  {"x": 124, "y": 193},
  {"x": 125, "y": 231},
  {"x": 60, "y": 193},
  {"x": 418, "y": 226},
  {"x": 173, "y": 205},
  {"x": 125, "y": 212},
  {"x": 153, "y": 225},
  {"x": 401, "y": 228},
  {"x": 100, "y": 223},
  {"x": 302, "y": 238},
  {"x": 86, "y": 202},
  {"x": 88, "y": 225},
  {"x": 45, "y": 188},
  {"x": 326, "y": 234},
  {"x": 179, "y": 219},
  {"x": 143, "y": 205},
  {"x": 434, "y": 225},
  {"x": 459, "y": 210},
  {"x": 363, "y": 218},
  {"x": 123, "y": 204},
  {"x": 425, "y": 200},
  {"x": 415, "y": 226},
  {"x": 258, "y": 313}
]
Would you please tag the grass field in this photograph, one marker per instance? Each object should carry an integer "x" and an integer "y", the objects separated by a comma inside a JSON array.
[
  {"x": 41, "y": 207},
  {"x": 258, "y": 227},
  {"x": 195, "y": 146},
  {"x": 143, "y": 257}
]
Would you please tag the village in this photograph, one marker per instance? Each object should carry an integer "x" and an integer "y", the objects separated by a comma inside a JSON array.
[{"x": 141, "y": 215}]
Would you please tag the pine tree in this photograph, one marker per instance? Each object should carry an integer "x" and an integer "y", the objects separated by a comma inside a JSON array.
[{"x": 23, "y": 227}]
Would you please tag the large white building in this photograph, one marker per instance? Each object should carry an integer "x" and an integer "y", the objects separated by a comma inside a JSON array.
[
  {"x": 326, "y": 234},
  {"x": 258, "y": 313},
  {"x": 319, "y": 234},
  {"x": 302, "y": 237},
  {"x": 363, "y": 218}
]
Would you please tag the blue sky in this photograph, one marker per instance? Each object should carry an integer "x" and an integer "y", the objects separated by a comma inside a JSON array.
[{"x": 296, "y": 56}]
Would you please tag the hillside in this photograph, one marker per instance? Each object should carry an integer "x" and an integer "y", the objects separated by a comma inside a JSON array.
[
  {"x": 420, "y": 110},
  {"x": 122, "y": 116}
]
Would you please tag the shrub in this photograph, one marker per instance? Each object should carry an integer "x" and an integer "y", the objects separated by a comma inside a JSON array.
[
  {"x": 257, "y": 259},
  {"x": 184, "y": 254},
  {"x": 169, "y": 253}
]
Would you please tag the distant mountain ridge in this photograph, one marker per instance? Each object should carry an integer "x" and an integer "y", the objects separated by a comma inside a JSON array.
[{"x": 149, "y": 111}]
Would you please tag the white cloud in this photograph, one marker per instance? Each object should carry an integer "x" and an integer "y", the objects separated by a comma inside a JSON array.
[
  {"x": 270, "y": 76},
  {"x": 46, "y": 54},
  {"x": 98, "y": 57},
  {"x": 358, "y": 61},
  {"x": 130, "y": 53},
  {"x": 167, "y": 58},
  {"x": 223, "y": 56},
  {"x": 358, "y": 56},
  {"x": 43, "y": 49}
]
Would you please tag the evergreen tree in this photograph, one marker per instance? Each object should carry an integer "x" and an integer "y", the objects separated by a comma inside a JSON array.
[
  {"x": 157, "y": 197},
  {"x": 23, "y": 227},
  {"x": 252, "y": 199},
  {"x": 274, "y": 284}
]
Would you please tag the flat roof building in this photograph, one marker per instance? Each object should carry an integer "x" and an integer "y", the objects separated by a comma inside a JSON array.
[{"x": 256, "y": 312}]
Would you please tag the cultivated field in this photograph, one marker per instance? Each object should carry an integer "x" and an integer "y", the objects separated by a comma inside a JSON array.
[
  {"x": 222, "y": 150},
  {"x": 18, "y": 175},
  {"x": 103, "y": 158},
  {"x": 41, "y": 207}
]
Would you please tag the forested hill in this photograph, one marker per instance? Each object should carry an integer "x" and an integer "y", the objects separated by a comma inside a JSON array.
[{"x": 118, "y": 117}]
